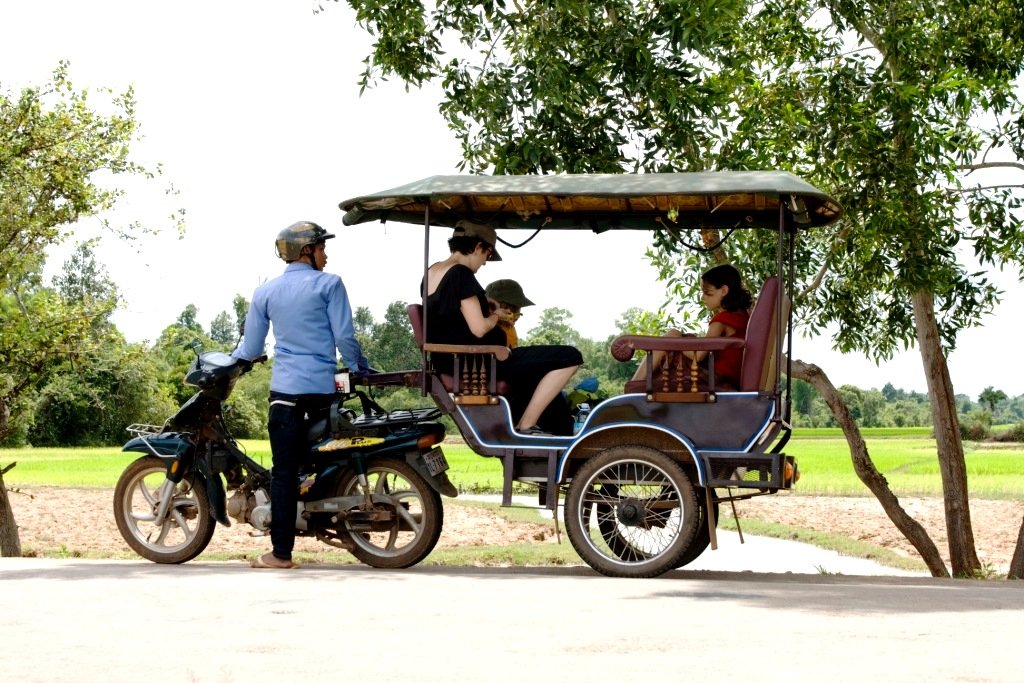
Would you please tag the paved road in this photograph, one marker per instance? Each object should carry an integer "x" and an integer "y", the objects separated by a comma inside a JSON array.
[{"x": 72, "y": 620}]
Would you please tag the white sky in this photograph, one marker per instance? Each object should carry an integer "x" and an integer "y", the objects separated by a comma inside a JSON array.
[{"x": 254, "y": 112}]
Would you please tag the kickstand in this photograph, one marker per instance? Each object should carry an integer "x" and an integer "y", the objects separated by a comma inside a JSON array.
[
  {"x": 558, "y": 530},
  {"x": 711, "y": 521},
  {"x": 736, "y": 516}
]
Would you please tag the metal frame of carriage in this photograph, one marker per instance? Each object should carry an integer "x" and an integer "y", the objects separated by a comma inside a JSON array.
[{"x": 722, "y": 438}]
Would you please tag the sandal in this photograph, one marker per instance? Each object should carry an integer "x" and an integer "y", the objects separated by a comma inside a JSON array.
[{"x": 272, "y": 561}]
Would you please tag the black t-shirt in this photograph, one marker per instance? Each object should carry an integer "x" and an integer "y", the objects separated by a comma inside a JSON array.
[{"x": 445, "y": 322}]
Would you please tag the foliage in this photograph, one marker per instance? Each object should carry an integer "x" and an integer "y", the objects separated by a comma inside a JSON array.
[
  {"x": 89, "y": 397},
  {"x": 881, "y": 103},
  {"x": 240, "y": 306},
  {"x": 888, "y": 105},
  {"x": 976, "y": 426},
  {"x": 1014, "y": 433},
  {"x": 223, "y": 331},
  {"x": 91, "y": 402},
  {"x": 55, "y": 149},
  {"x": 567, "y": 87},
  {"x": 393, "y": 346},
  {"x": 992, "y": 397},
  {"x": 246, "y": 410},
  {"x": 175, "y": 350},
  {"x": 554, "y": 327}
]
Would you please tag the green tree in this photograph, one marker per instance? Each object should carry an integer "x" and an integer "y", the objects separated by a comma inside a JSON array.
[
  {"x": 246, "y": 414},
  {"x": 893, "y": 126},
  {"x": 803, "y": 397},
  {"x": 223, "y": 330},
  {"x": 93, "y": 402},
  {"x": 84, "y": 281},
  {"x": 991, "y": 397},
  {"x": 393, "y": 344},
  {"x": 891, "y": 105},
  {"x": 240, "y": 305},
  {"x": 56, "y": 151},
  {"x": 554, "y": 327},
  {"x": 188, "y": 320},
  {"x": 175, "y": 350},
  {"x": 363, "y": 324},
  {"x": 88, "y": 399}
]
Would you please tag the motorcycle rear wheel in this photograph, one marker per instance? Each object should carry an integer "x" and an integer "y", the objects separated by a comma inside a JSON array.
[
  {"x": 416, "y": 520},
  {"x": 187, "y": 528}
]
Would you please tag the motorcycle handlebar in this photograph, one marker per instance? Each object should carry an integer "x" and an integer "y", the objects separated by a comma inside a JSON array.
[{"x": 247, "y": 364}]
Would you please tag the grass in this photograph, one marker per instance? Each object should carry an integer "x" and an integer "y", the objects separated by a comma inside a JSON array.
[
  {"x": 906, "y": 457},
  {"x": 83, "y": 467},
  {"x": 909, "y": 464}
]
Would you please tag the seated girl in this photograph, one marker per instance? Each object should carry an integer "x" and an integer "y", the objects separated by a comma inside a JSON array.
[
  {"x": 723, "y": 293},
  {"x": 458, "y": 313}
]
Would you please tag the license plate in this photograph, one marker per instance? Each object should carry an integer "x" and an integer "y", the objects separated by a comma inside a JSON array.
[{"x": 435, "y": 461}]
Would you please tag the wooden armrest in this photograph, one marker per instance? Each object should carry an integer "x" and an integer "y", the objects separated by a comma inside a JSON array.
[
  {"x": 405, "y": 378},
  {"x": 623, "y": 347},
  {"x": 499, "y": 352}
]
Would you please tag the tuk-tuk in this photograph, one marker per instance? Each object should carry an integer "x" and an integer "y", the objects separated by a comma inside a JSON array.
[{"x": 643, "y": 477}]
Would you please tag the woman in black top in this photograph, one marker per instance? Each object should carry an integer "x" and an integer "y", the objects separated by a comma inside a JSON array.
[{"x": 458, "y": 313}]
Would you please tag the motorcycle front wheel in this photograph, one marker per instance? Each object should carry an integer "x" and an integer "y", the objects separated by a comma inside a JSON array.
[
  {"x": 188, "y": 526},
  {"x": 399, "y": 533}
]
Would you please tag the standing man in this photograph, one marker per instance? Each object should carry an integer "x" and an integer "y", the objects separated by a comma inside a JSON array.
[{"x": 311, "y": 316}]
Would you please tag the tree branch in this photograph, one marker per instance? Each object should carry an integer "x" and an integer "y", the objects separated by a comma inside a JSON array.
[
  {"x": 816, "y": 282},
  {"x": 866, "y": 470},
  {"x": 982, "y": 188},
  {"x": 992, "y": 164}
]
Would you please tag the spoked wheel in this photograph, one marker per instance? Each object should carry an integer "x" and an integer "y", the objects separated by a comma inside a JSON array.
[
  {"x": 631, "y": 511},
  {"x": 613, "y": 532},
  {"x": 396, "y": 534},
  {"x": 187, "y": 528}
]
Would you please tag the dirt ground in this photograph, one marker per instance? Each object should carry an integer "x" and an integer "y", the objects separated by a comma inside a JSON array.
[
  {"x": 996, "y": 523},
  {"x": 81, "y": 520}
]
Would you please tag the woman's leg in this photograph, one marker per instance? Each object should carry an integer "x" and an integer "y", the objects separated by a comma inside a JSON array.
[{"x": 549, "y": 387}]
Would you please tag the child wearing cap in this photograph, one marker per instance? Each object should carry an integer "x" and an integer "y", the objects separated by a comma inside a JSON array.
[{"x": 507, "y": 299}]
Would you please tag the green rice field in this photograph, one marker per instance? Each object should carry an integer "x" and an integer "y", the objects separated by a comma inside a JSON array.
[{"x": 907, "y": 458}]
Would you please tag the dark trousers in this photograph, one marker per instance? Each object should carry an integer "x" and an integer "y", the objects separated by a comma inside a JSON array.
[
  {"x": 288, "y": 422},
  {"x": 524, "y": 369}
]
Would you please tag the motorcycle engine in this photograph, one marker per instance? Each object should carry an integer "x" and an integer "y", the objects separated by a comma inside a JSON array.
[{"x": 254, "y": 509}]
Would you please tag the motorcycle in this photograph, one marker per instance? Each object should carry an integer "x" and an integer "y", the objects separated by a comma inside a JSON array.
[{"x": 370, "y": 483}]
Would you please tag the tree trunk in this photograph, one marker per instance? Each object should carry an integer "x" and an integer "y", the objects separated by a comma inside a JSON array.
[
  {"x": 952, "y": 466},
  {"x": 10, "y": 544},
  {"x": 1017, "y": 563},
  {"x": 867, "y": 471}
]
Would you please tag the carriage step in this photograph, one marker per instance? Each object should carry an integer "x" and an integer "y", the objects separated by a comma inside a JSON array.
[{"x": 738, "y": 469}]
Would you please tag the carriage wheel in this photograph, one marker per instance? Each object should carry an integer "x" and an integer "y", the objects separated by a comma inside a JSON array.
[{"x": 631, "y": 511}]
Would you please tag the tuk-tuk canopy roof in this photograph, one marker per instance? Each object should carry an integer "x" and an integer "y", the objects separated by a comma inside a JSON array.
[{"x": 599, "y": 202}]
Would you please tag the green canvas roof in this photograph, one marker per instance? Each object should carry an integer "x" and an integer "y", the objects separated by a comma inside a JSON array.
[{"x": 639, "y": 201}]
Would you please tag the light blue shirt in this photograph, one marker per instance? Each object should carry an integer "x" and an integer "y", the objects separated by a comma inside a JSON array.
[{"x": 311, "y": 315}]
